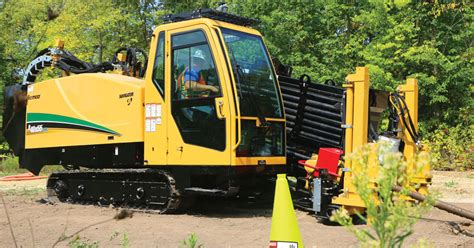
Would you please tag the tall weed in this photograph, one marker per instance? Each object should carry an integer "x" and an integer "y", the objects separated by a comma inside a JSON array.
[{"x": 389, "y": 214}]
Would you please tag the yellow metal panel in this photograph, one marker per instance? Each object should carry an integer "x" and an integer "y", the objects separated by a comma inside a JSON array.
[
  {"x": 361, "y": 106},
  {"x": 156, "y": 145},
  {"x": 110, "y": 101},
  {"x": 357, "y": 118},
  {"x": 422, "y": 177}
]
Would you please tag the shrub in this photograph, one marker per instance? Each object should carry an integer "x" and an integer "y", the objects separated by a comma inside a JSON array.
[
  {"x": 9, "y": 165},
  {"x": 391, "y": 215},
  {"x": 452, "y": 147}
]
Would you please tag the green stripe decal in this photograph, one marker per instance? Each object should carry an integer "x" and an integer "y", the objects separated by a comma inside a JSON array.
[{"x": 52, "y": 118}]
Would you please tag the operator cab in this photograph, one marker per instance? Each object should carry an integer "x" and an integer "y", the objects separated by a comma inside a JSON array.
[{"x": 218, "y": 93}]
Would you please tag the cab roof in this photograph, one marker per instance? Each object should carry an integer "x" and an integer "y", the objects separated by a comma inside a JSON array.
[
  {"x": 205, "y": 21},
  {"x": 211, "y": 14}
]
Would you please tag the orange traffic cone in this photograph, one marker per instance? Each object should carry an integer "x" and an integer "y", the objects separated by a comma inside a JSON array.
[{"x": 285, "y": 232}]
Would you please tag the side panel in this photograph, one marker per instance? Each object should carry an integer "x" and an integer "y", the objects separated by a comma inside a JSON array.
[
  {"x": 86, "y": 109},
  {"x": 126, "y": 155}
]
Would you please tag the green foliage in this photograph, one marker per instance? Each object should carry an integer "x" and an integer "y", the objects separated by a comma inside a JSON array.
[
  {"x": 452, "y": 147},
  {"x": 79, "y": 242},
  {"x": 394, "y": 41},
  {"x": 50, "y": 169},
  {"x": 451, "y": 184},
  {"x": 92, "y": 31},
  {"x": 125, "y": 241},
  {"x": 9, "y": 165},
  {"x": 391, "y": 215},
  {"x": 191, "y": 242}
]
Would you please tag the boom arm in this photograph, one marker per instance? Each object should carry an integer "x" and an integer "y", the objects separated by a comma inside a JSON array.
[{"x": 68, "y": 63}]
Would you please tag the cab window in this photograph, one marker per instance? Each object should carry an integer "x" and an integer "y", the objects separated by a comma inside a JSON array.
[
  {"x": 195, "y": 73},
  {"x": 159, "y": 67}
]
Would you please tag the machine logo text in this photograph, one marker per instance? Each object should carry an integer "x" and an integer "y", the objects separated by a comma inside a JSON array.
[
  {"x": 124, "y": 95},
  {"x": 37, "y": 129}
]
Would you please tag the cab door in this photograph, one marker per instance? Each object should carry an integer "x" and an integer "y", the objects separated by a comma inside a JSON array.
[
  {"x": 155, "y": 116},
  {"x": 199, "y": 112}
]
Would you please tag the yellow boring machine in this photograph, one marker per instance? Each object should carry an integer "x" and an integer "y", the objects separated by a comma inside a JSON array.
[{"x": 205, "y": 115}]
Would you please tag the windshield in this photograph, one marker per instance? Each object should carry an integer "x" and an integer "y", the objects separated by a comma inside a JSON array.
[{"x": 256, "y": 84}]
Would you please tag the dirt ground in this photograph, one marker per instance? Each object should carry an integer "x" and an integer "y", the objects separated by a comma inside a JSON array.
[{"x": 216, "y": 223}]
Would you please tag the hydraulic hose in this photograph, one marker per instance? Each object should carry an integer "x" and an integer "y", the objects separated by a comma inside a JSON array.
[
  {"x": 66, "y": 61},
  {"x": 398, "y": 102},
  {"x": 132, "y": 61}
]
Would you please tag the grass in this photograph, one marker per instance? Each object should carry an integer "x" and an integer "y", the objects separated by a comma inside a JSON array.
[
  {"x": 25, "y": 191},
  {"x": 451, "y": 184},
  {"x": 79, "y": 242},
  {"x": 191, "y": 242},
  {"x": 10, "y": 166}
]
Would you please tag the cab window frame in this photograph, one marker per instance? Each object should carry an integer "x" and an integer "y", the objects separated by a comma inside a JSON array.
[{"x": 160, "y": 86}]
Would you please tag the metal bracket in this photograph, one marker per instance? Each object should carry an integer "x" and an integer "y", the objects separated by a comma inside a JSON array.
[{"x": 317, "y": 195}]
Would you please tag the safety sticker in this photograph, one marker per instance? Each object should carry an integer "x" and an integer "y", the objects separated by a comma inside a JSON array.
[
  {"x": 152, "y": 116},
  {"x": 147, "y": 125},
  {"x": 153, "y": 110},
  {"x": 158, "y": 111},
  {"x": 152, "y": 125},
  {"x": 282, "y": 244},
  {"x": 148, "y": 110}
]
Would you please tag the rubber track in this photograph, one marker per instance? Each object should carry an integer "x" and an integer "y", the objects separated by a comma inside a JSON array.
[{"x": 174, "y": 203}]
